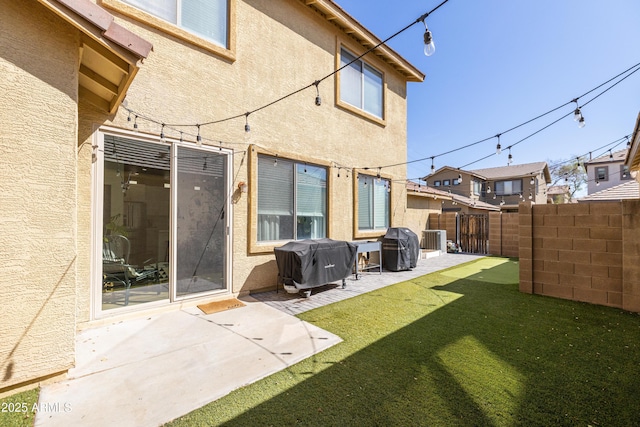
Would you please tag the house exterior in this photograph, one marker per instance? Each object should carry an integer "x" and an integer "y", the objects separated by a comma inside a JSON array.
[
  {"x": 502, "y": 187},
  {"x": 158, "y": 171},
  {"x": 607, "y": 171},
  {"x": 559, "y": 194}
]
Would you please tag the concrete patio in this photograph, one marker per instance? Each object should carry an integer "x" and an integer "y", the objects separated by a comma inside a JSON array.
[{"x": 152, "y": 369}]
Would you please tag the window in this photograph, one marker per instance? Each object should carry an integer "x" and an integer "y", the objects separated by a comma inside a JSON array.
[
  {"x": 456, "y": 181},
  {"x": 373, "y": 203},
  {"x": 477, "y": 187},
  {"x": 436, "y": 183},
  {"x": 602, "y": 173},
  {"x": 507, "y": 188},
  {"x": 624, "y": 172},
  {"x": 446, "y": 182},
  {"x": 292, "y": 200},
  {"x": 361, "y": 85},
  {"x": 204, "y": 18}
]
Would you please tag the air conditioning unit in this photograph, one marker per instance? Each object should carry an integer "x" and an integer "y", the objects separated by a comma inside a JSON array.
[{"x": 435, "y": 240}]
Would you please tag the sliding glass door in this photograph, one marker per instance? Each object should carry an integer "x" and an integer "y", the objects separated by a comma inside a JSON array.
[
  {"x": 201, "y": 223},
  {"x": 163, "y": 234}
]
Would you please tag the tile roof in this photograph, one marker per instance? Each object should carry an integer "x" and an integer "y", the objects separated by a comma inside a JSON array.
[
  {"x": 618, "y": 156},
  {"x": 525, "y": 169},
  {"x": 628, "y": 190}
]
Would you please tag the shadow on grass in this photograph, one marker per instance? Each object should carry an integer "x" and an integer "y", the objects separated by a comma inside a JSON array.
[{"x": 443, "y": 351}]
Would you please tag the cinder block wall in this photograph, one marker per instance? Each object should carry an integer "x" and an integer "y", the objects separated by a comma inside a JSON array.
[
  {"x": 503, "y": 234},
  {"x": 444, "y": 221},
  {"x": 584, "y": 252}
]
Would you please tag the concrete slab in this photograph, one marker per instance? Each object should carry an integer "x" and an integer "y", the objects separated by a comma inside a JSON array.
[{"x": 151, "y": 370}]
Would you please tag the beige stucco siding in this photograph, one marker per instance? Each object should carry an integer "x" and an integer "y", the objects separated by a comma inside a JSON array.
[
  {"x": 280, "y": 47},
  {"x": 38, "y": 141}
]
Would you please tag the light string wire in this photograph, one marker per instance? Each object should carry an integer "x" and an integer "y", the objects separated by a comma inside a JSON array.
[
  {"x": 635, "y": 68},
  {"x": 314, "y": 84},
  {"x": 605, "y": 148}
]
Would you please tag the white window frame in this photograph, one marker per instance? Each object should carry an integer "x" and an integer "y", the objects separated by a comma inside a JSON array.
[
  {"x": 362, "y": 107},
  {"x": 296, "y": 214},
  {"x": 378, "y": 183}
]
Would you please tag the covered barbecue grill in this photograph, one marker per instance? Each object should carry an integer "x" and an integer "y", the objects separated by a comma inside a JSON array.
[
  {"x": 306, "y": 264},
  {"x": 400, "y": 249}
]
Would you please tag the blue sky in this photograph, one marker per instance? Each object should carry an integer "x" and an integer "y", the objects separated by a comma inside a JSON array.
[{"x": 499, "y": 63}]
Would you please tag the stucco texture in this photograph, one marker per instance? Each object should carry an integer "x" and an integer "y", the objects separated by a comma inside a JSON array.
[
  {"x": 280, "y": 47},
  {"x": 38, "y": 258}
]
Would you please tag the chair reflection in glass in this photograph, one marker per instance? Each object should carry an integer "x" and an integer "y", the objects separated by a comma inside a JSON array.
[{"x": 116, "y": 268}]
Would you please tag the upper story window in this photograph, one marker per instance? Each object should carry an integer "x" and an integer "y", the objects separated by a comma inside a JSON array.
[
  {"x": 602, "y": 173},
  {"x": 507, "y": 188},
  {"x": 292, "y": 200},
  {"x": 624, "y": 172},
  {"x": 446, "y": 182},
  {"x": 477, "y": 187},
  {"x": 436, "y": 183},
  {"x": 361, "y": 85},
  {"x": 205, "y": 18}
]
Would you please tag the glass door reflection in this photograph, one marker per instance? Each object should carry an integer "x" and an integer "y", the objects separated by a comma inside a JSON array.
[{"x": 200, "y": 221}]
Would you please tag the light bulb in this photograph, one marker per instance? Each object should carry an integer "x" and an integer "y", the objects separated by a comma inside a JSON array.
[
  {"x": 577, "y": 115},
  {"x": 429, "y": 46},
  {"x": 510, "y": 159},
  {"x": 498, "y": 149},
  {"x": 581, "y": 122},
  {"x": 318, "y": 101}
]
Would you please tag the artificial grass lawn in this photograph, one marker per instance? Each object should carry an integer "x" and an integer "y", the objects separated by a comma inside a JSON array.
[
  {"x": 458, "y": 347},
  {"x": 16, "y": 410}
]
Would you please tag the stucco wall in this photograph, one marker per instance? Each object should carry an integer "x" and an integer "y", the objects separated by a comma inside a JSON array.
[
  {"x": 280, "y": 47},
  {"x": 418, "y": 210},
  {"x": 38, "y": 92}
]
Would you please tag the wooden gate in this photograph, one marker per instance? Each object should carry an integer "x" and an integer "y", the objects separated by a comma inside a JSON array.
[{"x": 473, "y": 232}]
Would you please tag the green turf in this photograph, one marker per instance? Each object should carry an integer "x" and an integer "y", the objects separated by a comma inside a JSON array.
[
  {"x": 17, "y": 410},
  {"x": 458, "y": 347}
]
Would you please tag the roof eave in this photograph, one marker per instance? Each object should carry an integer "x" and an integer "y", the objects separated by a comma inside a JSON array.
[{"x": 351, "y": 27}]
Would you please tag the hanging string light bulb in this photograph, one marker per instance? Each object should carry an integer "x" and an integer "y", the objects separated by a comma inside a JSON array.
[
  {"x": 510, "y": 157},
  {"x": 577, "y": 115},
  {"x": 247, "y": 128},
  {"x": 433, "y": 166},
  {"x": 498, "y": 146},
  {"x": 488, "y": 188},
  {"x": 198, "y": 137},
  {"x": 135, "y": 124},
  {"x": 162, "y": 138},
  {"x": 318, "y": 99},
  {"x": 429, "y": 45}
]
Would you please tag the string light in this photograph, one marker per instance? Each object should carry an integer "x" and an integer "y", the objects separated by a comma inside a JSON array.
[
  {"x": 433, "y": 166},
  {"x": 162, "y": 138},
  {"x": 429, "y": 45},
  {"x": 510, "y": 157},
  {"x": 198, "y": 137},
  {"x": 498, "y": 146},
  {"x": 135, "y": 124},
  {"x": 318, "y": 99},
  {"x": 247, "y": 128}
]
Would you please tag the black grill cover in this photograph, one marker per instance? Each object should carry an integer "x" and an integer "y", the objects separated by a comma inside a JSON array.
[
  {"x": 400, "y": 249},
  {"x": 311, "y": 263}
]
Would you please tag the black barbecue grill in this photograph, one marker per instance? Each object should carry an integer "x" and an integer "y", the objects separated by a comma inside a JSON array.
[{"x": 307, "y": 264}]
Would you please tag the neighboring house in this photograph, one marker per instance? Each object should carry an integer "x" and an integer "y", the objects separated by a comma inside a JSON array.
[
  {"x": 625, "y": 191},
  {"x": 558, "y": 194},
  {"x": 111, "y": 210},
  {"x": 423, "y": 201},
  {"x": 504, "y": 187},
  {"x": 607, "y": 171}
]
